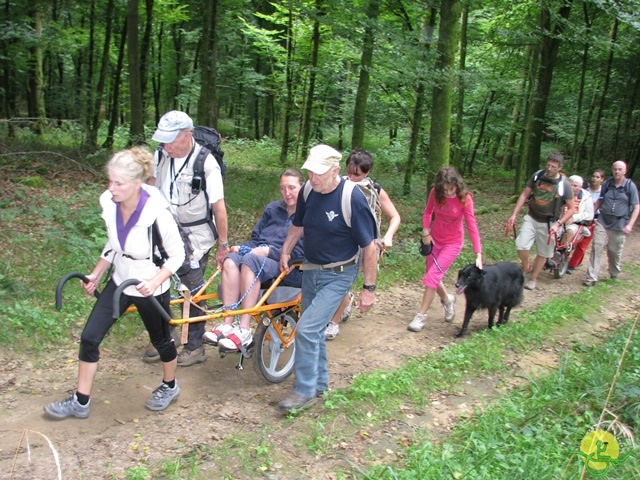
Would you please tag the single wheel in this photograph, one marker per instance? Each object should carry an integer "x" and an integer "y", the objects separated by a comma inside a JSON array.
[
  {"x": 563, "y": 264},
  {"x": 275, "y": 347}
]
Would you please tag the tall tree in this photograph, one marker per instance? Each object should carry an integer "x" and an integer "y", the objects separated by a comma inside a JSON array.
[
  {"x": 136, "y": 130},
  {"x": 551, "y": 35},
  {"x": 207, "y": 101},
  {"x": 366, "y": 61},
  {"x": 448, "y": 38},
  {"x": 36, "y": 75},
  {"x": 605, "y": 91},
  {"x": 315, "y": 47},
  {"x": 459, "y": 124},
  {"x": 419, "y": 105}
]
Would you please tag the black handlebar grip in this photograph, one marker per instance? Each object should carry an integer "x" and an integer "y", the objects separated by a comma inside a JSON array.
[{"x": 64, "y": 280}]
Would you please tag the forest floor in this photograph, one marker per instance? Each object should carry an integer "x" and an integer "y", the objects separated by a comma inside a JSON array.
[{"x": 217, "y": 401}]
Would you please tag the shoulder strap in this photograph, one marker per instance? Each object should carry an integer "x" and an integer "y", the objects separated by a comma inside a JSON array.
[
  {"x": 307, "y": 190},
  {"x": 346, "y": 201},
  {"x": 156, "y": 242}
]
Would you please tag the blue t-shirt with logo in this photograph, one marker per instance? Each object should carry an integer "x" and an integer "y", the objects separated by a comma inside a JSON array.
[{"x": 327, "y": 238}]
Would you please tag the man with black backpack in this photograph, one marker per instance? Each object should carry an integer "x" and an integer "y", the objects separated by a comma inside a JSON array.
[
  {"x": 189, "y": 173},
  {"x": 546, "y": 192},
  {"x": 619, "y": 208}
]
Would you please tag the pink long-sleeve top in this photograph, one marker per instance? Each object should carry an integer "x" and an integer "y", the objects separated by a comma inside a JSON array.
[{"x": 445, "y": 221}]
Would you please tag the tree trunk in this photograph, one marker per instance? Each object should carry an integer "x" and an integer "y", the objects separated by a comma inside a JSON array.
[
  {"x": 92, "y": 138},
  {"x": 360, "y": 106},
  {"x": 509, "y": 154},
  {"x": 456, "y": 141},
  {"x": 36, "y": 77},
  {"x": 519, "y": 179},
  {"x": 418, "y": 108},
  {"x": 549, "y": 54},
  {"x": 315, "y": 47},
  {"x": 605, "y": 92},
  {"x": 145, "y": 48},
  {"x": 207, "y": 112},
  {"x": 135, "y": 91},
  {"x": 575, "y": 160},
  {"x": 483, "y": 124},
  {"x": 288, "y": 104},
  {"x": 117, "y": 78},
  {"x": 448, "y": 38}
]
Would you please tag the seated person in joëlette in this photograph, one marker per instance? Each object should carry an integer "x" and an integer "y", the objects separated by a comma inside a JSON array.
[{"x": 256, "y": 261}]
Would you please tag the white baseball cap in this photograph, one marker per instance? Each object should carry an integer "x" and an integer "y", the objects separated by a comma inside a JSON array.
[
  {"x": 321, "y": 158},
  {"x": 170, "y": 125}
]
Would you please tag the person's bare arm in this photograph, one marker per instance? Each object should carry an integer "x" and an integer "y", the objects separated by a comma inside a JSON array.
[
  {"x": 366, "y": 299},
  {"x": 389, "y": 209},
  {"x": 519, "y": 204},
  {"x": 220, "y": 214},
  {"x": 295, "y": 233},
  {"x": 632, "y": 220}
]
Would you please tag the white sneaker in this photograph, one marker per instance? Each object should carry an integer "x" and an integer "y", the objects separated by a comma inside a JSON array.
[
  {"x": 238, "y": 336},
  {"x": 332, "y": 331},
  {"x": 347, "y": 311},
  {"x": 418, "y": 322},
  {"x": 586, "y": 232},
  {"x": 449, "y": 309},
  {"x": 217, "y": 334}
]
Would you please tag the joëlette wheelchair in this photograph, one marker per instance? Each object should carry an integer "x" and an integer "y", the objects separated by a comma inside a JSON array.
[
  {"x": 559, "y": 263},
  {"x": 276, "y": 314}
]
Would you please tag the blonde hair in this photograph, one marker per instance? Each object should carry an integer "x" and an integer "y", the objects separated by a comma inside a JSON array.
[{"x": 132, "y": 163}]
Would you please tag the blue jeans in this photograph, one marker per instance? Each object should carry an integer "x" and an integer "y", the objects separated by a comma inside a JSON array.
[{"x": 322, "y": 293}]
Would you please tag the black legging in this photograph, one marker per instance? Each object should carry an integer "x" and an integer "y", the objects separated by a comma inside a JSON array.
[{"x": 101, "y": 320}]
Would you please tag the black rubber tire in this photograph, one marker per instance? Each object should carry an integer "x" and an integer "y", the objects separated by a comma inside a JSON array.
[
  {"x": 272, "y": 361},
  {"x": 563, "y": 265}
]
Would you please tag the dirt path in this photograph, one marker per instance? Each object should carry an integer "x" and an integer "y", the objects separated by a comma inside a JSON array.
[{"x": 217, "y": 400}]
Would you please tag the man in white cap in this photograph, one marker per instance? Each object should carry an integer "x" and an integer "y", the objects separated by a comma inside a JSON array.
[
  {"x": 335, "y": 247},
  {"x": 174, "y": 177}
]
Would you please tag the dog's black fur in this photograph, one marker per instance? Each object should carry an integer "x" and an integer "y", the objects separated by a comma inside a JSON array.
[{"x": 496, "y": 287}]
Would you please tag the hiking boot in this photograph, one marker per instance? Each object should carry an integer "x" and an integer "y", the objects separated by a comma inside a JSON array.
[
  {"x": 217, "y": 334},
  {"x": 151, "y": 355},
  {"x": 296, "y": 403},
  {"x": 418, "y": 322},
  {"x": 162, "y": 397},
  {"x": 186, "y": 357},
  {"x": 449, "y": 309},
  {"x": 347, "y": 311},
  {"x": 530, "y": 285},
  {"x": 332, "y": 331},
  {"x": 237, "y": 336},
  {"x": 69, "y": 407}
]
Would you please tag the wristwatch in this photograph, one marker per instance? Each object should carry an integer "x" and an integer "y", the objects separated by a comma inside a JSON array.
[
  {"x": 223, "y": 245},
  {"x": 371, "y": 288}
]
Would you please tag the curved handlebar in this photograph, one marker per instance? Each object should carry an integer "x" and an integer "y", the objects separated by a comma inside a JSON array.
[
  {"x": 64, "y": 280},
  {"x": 128, "y": 283}
]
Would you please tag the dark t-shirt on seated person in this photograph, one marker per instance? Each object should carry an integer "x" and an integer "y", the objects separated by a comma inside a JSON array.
[{"x": 327, "y": 238}]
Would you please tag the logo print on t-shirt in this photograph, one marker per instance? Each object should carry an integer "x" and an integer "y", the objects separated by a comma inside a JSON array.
[{"x": 331, "y": 215}]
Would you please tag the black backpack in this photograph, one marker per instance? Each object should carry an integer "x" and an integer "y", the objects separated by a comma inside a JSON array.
[
  {"x": 209, "y": 139},
  {"x": 160, "y": 254}
]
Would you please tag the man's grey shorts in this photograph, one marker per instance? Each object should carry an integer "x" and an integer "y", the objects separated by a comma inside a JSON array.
[{"x": 533, "y": 231}]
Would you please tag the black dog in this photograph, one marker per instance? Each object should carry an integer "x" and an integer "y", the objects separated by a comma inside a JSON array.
[{"x": 495, "y": 287}]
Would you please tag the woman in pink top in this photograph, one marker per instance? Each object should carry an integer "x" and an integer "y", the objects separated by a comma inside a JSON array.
[{"x": 449, "y": 203}]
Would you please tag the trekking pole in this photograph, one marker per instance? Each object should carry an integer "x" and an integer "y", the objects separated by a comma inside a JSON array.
[
  {"x": 64, "y": 280},
  {"x": 127, "y": 283}
]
